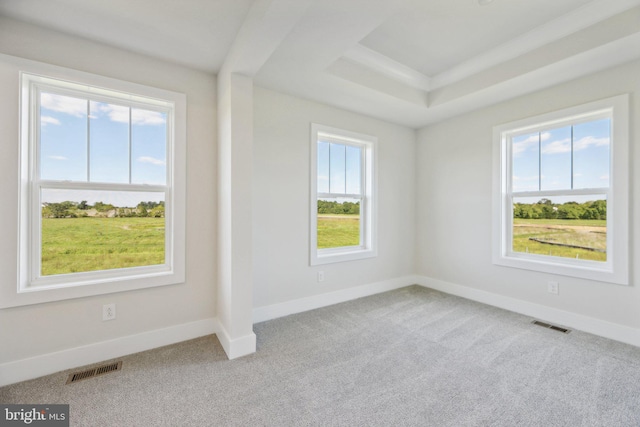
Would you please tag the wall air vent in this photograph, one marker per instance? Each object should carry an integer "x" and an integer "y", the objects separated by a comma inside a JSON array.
[{"x": 94, "y": 372}]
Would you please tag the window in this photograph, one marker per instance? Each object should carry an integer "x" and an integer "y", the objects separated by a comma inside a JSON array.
[
  {"x": 102, "y": 187},
  {"x": 342, "y": 201},
  {"x": 561, "y": 193}
]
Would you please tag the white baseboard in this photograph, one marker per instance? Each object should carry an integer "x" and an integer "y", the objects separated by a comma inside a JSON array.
[
  {"x": 34, "y": 367},
  {"x": 274, "y": 311},
  {"x": 576, "y": 321},
  {"x": 237, "y": 347}
]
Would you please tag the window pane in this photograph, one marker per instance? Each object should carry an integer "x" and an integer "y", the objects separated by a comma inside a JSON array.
[
  {"x": 353, "y": 170},
  {"x": 89, "y": 230},
  {"x": 149, "y": 147},
  {"x": 109, "y": 143},
  {"x": 526, "y": 162},
  {"x": 63, "y": 137},
  {"x": 567, "y": 226},
  {"x": 323, "y": 167},
  {"x": 591, "y": 154},
  {"x": 338, "y": 222},
  {"x": 337, "y": 159},
  {"x": 555, "y": 159}
]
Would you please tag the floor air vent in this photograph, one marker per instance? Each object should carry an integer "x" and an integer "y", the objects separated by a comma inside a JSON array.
[
  {"x": 549, "y": 326},
  {"x": 94, "y": 372}
]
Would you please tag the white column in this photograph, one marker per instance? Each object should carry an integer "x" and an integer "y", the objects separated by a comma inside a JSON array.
[{"x": 235, "y": 175}]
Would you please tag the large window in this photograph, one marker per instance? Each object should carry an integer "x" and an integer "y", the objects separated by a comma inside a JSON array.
[
  {"x": 562, "y": 192},
  {"x": 102, "y": 187},
  {"x": 342, "y": 204}
]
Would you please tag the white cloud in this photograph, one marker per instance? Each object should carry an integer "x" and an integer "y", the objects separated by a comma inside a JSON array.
[
  {"x": 564, "y": 145},
  {"x": 48, "y": 120},
  {"x": 120, "y": 114},
  {"x": 64, "y": 104},
  {"x": 58, "y": 157},
  {"x": 589, "y": 141},
  {"x": 532, "y": 141},
  {"x": 557, "y": 147},
  {"x": 604, "y": 177},
  {"x": 117, "y": 113},
  {"x": 146, "y": 117},
  {"x": 522, "y": 146},
  {"x": 152, "y": 160}
]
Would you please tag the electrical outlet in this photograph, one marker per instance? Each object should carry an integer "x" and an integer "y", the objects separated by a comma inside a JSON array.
[
  {"x": 553, "y": 288},
  {"x": 108, "y": 312},
  {"x": 320, "y": 276}
]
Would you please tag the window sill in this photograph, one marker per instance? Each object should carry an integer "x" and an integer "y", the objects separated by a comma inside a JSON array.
[
  {"x": 43, "y": 294},
  {"x": 330, "y": 256},
  {"x": 590, "y": 270}
]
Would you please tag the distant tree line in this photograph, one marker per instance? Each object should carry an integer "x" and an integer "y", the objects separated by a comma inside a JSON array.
[
  {"x": 344, "y": 208},
  {"x": 546, "y": 209},
  {"x": 68, "y": 209}
]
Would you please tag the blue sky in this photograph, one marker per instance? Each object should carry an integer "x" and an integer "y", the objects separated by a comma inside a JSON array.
[
  {"x": 339, "y": 168},
  {"x": 67, "y": 132},
  {"x": 543, "y": 161}
]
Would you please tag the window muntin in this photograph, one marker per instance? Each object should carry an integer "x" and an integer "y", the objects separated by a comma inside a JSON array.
[
  {"x": 110, "y": 155},
  {"x": 342, "y": 195},
  {"x": 561, "y": 202}
]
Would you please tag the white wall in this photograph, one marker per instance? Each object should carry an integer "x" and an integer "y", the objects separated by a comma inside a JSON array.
[
  {"x": 282, "y": 128},
  {"x": 40, "y": 329},
  {"x": 454, "y": 204}
]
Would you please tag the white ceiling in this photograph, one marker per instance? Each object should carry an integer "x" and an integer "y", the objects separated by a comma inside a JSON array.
[
  {"x": 433, "y": 36},
  {"x": 195, "y": 33},
  {"x": 411, "y": 62}
]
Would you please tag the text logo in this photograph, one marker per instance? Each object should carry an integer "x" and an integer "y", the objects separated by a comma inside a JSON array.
[{"x": 34, "y": 415}]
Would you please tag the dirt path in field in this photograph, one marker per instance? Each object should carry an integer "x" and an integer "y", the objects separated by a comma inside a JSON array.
[
  {"x": 577, "y": 228},
  {"x": 335, "y": 216}
]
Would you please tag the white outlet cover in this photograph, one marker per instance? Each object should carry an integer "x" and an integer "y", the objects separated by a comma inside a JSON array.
[{"x": 108, "y": 312}]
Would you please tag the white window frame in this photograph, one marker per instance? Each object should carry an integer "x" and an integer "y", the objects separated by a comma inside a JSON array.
[
  {"x": 368, "y": 235},
  {"x": 616, "y": 268},
  {"x": 32, "y": 288}
]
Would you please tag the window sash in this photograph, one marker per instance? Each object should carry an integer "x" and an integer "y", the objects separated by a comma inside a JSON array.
[
  {"x": 37, "y": 88},
  {"x": 35, "y": 258},
  {"x": 362, "y": 243},
  {"x": 509, "y": 223},
  {"x": 509, "y": 136}
]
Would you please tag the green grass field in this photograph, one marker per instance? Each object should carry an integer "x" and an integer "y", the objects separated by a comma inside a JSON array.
[
  {"x": 585, "y": 233},
  {"x": 335, "y": 231},
  {"x": 71, "y": 245}
]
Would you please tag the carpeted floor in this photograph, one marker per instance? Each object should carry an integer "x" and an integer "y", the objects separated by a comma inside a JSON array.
[{"x": 411, "y": 357}]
